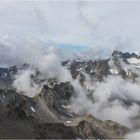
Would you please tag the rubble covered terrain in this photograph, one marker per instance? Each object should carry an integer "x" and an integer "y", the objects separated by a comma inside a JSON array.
[{"x": 48, "y": 115}]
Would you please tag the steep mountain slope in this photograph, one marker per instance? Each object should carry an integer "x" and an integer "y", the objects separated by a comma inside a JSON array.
[
  {"x": 24, "y": 117},
  {"x": 49, "y": 114}
]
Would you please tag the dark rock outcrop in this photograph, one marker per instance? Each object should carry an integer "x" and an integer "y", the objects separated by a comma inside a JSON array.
[
  {"x": 124, "y": 56},
  {"x": 57, "y": 96},
  {"x": 87, "y": 127},
  {"x": 96, "y": 69},
  {"x": 39, "y": 117}
]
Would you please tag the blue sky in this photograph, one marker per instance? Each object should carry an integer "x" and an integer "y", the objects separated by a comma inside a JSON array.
[{"x": 74, "y": 48}]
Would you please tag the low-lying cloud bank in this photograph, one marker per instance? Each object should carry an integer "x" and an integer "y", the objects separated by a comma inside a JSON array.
[{"x": 117, "y": 89}]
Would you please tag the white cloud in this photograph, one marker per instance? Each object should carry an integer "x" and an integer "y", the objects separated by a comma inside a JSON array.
[
  {"x": 133, "y": 135},
  {"x": 113, "y": 87},
  {"x": 105, "y": 25},
  {"x": 24, "y": 83}
]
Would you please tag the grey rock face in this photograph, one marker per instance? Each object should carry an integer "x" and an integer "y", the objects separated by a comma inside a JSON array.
[{"x": 24, "y": 117}]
